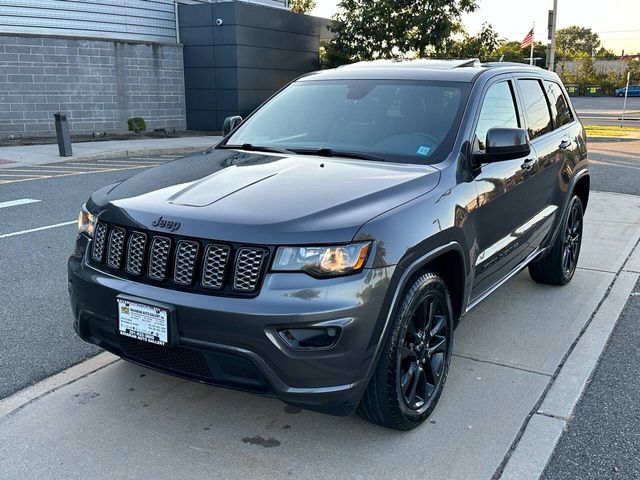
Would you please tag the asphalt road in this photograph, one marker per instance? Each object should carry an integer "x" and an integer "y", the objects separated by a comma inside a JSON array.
[
  {"x": 602, "y": 441},
  {"x": 615, "y": 166},
  {"x": 36, "y": 335},
  {"x": 607, "y": 110},
  {"x": 37, "y": 339}
]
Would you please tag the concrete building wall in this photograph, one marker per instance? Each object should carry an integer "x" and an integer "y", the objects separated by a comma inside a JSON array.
[
  {"x": 618, "y": 67},
  {"x": 98, "y": 83},
  {"x": 237, "y": 54}
]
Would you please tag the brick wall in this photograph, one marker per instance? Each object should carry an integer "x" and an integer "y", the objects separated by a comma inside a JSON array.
[{"x": 99, "y": 84}]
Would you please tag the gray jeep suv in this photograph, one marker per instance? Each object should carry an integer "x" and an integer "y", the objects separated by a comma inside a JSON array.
[{"x": 324, "y": 251}]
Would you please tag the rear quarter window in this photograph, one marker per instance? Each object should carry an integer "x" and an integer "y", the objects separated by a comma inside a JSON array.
[
  {"x": 536, "y": 108},
  {"x": 559, "y": 104}
]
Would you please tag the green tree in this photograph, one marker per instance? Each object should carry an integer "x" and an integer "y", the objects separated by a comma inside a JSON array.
[
  {"x": 372, "y": 29},
  {"x": 575, "y": 40},
  {"x": 513, "y": 52},
  {"x": 302, "y": 6},
  {"x": 482, "y": 46}
]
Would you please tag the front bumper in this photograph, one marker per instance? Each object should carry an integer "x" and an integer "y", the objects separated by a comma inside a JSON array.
[{"x": 233, "y": 342}]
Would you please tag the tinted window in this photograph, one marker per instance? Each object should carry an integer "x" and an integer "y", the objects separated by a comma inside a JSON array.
[
  {"x": 536, "y": 108},
  {"x": 559, "y": 105},
  {"x": 498, "y": 110},
  {"x": 405, "y": 121}
]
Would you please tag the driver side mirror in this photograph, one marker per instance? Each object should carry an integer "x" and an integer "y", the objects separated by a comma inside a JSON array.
[
  {"x": 230, "y": 123},
  {"x": 503, "y": 144}
]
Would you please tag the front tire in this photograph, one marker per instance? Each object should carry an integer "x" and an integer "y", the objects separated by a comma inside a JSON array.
[
  {"x": 413, "y": 367},
  {"x": 559, "y": 265}
]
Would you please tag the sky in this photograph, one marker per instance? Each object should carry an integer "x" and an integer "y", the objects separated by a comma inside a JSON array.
[{"x": 615, "y": 21}]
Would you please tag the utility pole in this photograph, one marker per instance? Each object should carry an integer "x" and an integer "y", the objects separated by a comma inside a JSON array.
[{"x": 551, "y": 55}]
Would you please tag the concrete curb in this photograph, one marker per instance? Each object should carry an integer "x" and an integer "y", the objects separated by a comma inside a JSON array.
[
  {"x": 537, "y": 443},
  {"x": 142, "y": 152},
  {"x": 49, "y": 385}
]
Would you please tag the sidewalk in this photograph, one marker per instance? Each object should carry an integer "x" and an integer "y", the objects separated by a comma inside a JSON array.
[
  {"x": 43, "y": 154},
  {"x": 521, "y": 361}
]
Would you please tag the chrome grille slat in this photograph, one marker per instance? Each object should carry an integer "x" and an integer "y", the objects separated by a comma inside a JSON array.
[
  {"x": 99, "y": 241},
  {"x": 135, "y": 253},
  {"x": 214, "y": 266},
  {"x": 116, "y": 247},
  {"x": 186, "y": 257},
  {"x": 248, "y": 268},
  {"x": 159, "y": 258}
]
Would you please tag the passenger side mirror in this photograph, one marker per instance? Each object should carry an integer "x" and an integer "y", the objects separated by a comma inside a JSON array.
[
  {"x": 230, "y": 123},
  {"x": 503, "y": 144}
]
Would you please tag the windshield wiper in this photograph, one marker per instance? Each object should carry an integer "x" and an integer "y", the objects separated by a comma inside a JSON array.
[
  {"x": 256, "y": 148},
  {"x": 330, "y": 152}
]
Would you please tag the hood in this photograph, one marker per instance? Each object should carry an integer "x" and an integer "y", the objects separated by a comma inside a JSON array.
[{"x": 262, "y": 198}]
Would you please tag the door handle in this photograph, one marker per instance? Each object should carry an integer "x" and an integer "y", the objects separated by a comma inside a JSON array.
[
  {"x": 528, "y": 164},
  {"x": 564, "y": 144}
]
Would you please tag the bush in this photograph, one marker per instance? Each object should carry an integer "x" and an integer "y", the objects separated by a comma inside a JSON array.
[{"x": 137, "y": 124}]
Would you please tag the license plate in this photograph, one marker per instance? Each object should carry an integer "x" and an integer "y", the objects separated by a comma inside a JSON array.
[{"x": 145, "y": 322}]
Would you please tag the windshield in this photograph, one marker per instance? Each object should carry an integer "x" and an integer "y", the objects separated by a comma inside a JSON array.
[{"x": 403, "y": 121}]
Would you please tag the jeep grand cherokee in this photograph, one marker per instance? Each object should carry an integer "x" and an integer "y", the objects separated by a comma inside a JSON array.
[{"x": 324, "y": 251}]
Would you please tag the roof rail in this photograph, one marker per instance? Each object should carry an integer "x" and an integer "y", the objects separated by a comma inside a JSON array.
[
  {"x": 507, "y": 64},
  {"x": 417, "y": 63}
]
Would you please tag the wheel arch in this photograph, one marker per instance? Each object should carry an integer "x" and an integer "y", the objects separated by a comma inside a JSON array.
[
  {"x": 582, "y": 188},
  {"x": 436, "y": 258}
]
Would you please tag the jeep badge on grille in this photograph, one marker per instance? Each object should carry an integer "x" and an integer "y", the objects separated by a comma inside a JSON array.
[{"x": 167, "y": 224}]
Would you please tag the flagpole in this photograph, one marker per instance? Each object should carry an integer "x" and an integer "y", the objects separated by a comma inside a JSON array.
[{"x": 532, "y": 40}]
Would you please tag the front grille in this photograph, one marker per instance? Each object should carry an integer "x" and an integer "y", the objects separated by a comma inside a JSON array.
[
  {"x": 248, "y": 268},
  {"x": 99, "y": 240},
  {"x": 182, "y": 263},
  {"x": 116, "y": 247},
  {"x": 135, "y": 252},
  {"x": 214, "y": 266},
  {"x": 186, "y": 256},
  {"x": 159, "y": 258}
]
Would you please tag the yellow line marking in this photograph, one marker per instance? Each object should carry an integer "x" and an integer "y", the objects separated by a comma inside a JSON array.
[
  {"x": 35, "y": 171},
  {"x": 128, "y": 160},
  {"x": 70, "y": 174},
  {"x": 129, "y": 164},
  {"x": 19, "y": 175}
]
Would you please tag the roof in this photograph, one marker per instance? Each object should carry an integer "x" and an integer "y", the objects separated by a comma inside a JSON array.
[{"x": 461, "y": 70}]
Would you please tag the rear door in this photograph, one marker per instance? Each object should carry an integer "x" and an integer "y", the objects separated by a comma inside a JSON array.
[{"x": 542, "y": 172}]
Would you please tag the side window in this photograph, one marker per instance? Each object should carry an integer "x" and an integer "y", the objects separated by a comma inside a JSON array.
[
  {"x": 536, "y": 108},
  {"x": 559, "y": 105},
  {"x": 498, "y": 110}
]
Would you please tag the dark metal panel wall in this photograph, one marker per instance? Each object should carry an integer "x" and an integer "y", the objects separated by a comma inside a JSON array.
[{"x": 237, "y": 54}]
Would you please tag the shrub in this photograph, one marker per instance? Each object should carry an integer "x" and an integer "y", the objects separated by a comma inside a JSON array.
[{"x": 137, "y": 124}]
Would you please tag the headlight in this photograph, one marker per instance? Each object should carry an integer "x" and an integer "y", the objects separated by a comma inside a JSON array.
[
  {"x": 86, "y": 221},
  {"x": 327, "y": 261}
]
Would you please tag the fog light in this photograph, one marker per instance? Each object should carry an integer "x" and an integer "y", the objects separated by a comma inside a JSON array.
[{"x": 310, "y": 338}]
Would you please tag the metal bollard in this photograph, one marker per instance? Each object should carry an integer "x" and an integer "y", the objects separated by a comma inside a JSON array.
[{"x": 62, "y": 132}]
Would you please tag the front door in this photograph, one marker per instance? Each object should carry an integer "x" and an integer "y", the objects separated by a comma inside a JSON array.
[{"x": 504, "y": 203}]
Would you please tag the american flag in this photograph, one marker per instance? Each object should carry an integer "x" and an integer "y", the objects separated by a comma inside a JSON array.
[{"x": 528, "y": 40}]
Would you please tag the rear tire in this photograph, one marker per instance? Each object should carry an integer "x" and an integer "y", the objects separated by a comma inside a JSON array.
[
  {"x": 413, "y": 366},
  {"x": 558, "y": 266}
]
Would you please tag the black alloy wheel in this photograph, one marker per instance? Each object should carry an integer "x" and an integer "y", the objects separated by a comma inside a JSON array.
[
  {"x": 572, "y": 240},
  {"x": 559, "y": 264},
  {"x": 412, "y": 369},
  {"x": 422, "y": 356}
]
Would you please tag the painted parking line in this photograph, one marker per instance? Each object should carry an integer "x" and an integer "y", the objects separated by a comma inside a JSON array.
[
  {"x": 38, "y": 229},
  {"x": 21, "y": 201},
  {"x": 24, "y": 173}
]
